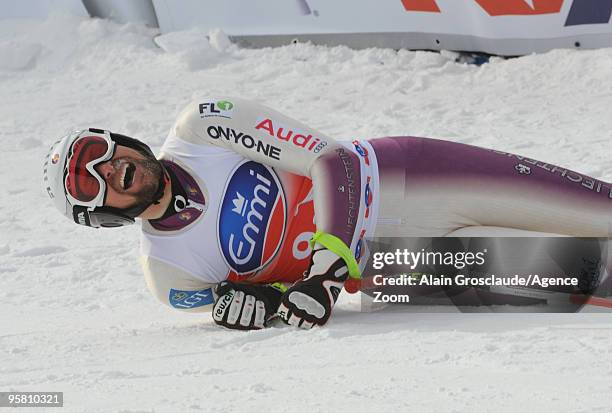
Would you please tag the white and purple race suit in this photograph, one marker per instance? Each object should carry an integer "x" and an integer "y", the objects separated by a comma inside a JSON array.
[{"x": 258, "y": 184}]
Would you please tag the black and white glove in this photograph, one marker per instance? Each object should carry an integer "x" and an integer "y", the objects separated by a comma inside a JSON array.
[
  {"x": 309, "y": 302},
  {"x": 243, "y": 306}
]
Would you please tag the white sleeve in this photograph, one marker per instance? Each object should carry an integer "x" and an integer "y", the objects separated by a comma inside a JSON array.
[
  {"x": 177, "y": 288},
  {"x": 266, "y": 136}
]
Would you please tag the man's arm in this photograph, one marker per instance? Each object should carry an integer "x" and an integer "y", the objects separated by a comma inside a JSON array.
[
  {"x": 177, "y": 288},
  {"x": 239, "y": 306},
  {"x": 266, "y": 136}
]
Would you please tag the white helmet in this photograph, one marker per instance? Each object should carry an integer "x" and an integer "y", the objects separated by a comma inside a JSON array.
[{"x": 77, "y": 189}]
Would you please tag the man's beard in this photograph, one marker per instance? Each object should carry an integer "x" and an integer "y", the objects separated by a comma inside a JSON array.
[{"x": 153, "y": 171}]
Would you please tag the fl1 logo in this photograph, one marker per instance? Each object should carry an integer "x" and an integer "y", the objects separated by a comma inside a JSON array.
[{"x": 221, "y": 108}]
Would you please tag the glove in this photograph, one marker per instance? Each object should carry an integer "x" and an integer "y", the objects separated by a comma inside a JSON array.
[
  {"x": 243, "y": 306},
  {"x": 309, "y": 302}
]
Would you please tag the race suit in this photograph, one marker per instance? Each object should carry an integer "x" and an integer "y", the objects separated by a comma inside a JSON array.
[
  {"x": 258, "y": 184},
  {"x": 254, "y": 180}
]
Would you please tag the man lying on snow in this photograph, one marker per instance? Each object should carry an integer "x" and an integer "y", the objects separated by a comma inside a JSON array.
[{"x": 244, "y": 201}]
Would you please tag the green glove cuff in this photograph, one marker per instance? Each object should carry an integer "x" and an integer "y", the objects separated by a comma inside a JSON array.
[{"x": 338, "y": 247}]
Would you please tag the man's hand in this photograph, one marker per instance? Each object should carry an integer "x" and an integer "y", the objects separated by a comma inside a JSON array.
[
  {"x": 309, "y": 302},
  {"x": 244, "y": 306}
]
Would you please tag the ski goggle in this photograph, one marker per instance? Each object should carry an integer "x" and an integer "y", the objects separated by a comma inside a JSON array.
[{"x": 84, "y": 185}]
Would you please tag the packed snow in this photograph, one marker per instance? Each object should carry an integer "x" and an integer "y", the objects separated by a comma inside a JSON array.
[{"x": 76, "y": 316}]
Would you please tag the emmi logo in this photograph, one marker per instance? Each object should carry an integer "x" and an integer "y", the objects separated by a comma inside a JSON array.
[
  {"x": 255, "y": 223},
  {"x": 252, "y": 217}
]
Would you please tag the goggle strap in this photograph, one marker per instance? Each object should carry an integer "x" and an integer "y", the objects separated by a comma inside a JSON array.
[
  {"x": 80, "y": 214},
  {"x": 109, "y": 217},
  {"x": 100, "y": 217}
]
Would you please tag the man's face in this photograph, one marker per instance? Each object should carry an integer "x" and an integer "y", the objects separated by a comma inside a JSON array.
[{"x": 131, "y": 178}]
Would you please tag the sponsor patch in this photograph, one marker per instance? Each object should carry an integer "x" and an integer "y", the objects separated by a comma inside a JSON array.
[
  {"x": 245, "y": 140},
  {"x": 252, "y": 217},
  {"x": 190, "y": 299},
  {"x": 223, "y": 304},
  {"x": 298, "y": 138},
  {"x": 362, "y": 151},
  {"x": 220, "y": 108}
]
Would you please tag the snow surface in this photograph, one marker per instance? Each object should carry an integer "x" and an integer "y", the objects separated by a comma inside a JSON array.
[{"x": 75, "y": 315}]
